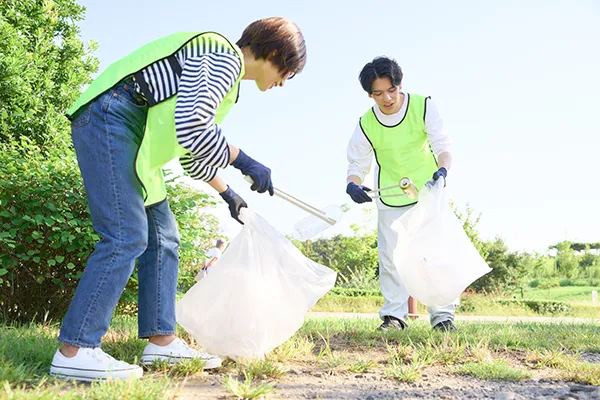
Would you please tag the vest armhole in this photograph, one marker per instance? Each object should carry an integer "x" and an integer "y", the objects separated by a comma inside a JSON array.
[
  {"x": 175, "y": 66},
  {"x": 145, "y": 89},
  {"x": 365, "y": 133},
  {"x": 425, "y": 107}
]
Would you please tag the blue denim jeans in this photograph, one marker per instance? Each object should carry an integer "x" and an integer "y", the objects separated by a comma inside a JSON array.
[{"x": 106, "y": 136}]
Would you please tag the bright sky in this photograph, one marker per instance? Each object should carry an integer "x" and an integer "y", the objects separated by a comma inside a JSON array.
[{"x": 517, "y": 84}]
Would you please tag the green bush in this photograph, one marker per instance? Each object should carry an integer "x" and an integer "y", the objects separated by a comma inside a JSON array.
[
  {"x": 46, "y": 234},
  {"x": 354, "y": 258},
  {"x": 43, "y": 65},
  {"x": 534, "y": 283},
  {"x": 543, "y": 307},
  {"x": 468, "y": 304},
  {"x": 579, "y": 282},
  {"x": 549, "y": 307}
]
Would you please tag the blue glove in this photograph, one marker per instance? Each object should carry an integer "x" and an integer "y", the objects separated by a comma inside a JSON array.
[
  {"x": 260, "y": 174},
  {"x": 235, "y": 202},
  {"x": 358, "y": 193},
  {"x": 442, "y": 172}
]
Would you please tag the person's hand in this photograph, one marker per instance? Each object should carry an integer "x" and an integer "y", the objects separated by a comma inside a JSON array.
[
  {"x": 358, "y": 193},
  {"x": 260, "y": 174},
  {"x": 440, "y": 173},
  {"x": 235, "y": 202}
]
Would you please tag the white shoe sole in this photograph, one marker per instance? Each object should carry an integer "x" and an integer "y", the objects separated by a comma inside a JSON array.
[
  {"x": 150, "y": 358},
  {"x": 87, "y": 375}
]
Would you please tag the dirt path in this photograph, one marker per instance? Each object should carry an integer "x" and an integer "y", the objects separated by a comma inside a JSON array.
[
  {"x": 310, "y": 382},
  {"x": 309, "y": 379}
]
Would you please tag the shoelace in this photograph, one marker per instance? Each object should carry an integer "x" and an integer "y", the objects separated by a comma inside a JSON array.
[
  {"x": 200, "y": 354},
  {"x": 101, "y": 356}
]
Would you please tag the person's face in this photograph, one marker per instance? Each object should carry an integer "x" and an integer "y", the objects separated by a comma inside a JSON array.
[
  {"x": 270, "y": 77},
  {"x": 386, "y": 95}
]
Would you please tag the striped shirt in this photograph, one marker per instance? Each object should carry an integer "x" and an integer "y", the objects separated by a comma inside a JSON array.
[{"x": 209, "y": 71}]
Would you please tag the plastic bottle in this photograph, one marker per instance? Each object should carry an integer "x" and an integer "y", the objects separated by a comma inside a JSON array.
[{"x": 311, "y": 226}]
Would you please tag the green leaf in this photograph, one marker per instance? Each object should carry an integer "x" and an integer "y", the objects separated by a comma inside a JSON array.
[
  {"x": 3, "y": 271},
  {"x": 71, "y": 266}
]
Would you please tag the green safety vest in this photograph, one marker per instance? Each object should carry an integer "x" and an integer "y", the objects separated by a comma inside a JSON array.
[
  {"x": 401, "y": 150},
  {"x": 159, "y": 144}
]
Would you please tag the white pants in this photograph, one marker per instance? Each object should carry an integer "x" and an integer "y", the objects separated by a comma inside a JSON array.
[{"x": 394, "y": 293}]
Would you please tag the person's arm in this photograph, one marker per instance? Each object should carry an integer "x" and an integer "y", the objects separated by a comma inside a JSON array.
[
  {"x": 445, "y": 160},
  {"x": 360, "y": 156},
  {"x": 218, "y": 184},
  {"x": 211, "y": 262},
  {"x": 204, "y": 83},
  {"x": 438, "y": 139}
]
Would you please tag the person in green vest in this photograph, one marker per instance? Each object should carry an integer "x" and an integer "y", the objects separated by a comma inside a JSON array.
[
  {"x": 404, "y": 131},
  {"x": 164, "y": 101}
]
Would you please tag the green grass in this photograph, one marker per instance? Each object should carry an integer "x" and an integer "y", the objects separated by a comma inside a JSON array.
[
  {"x": 337, "y": 345},
  {"x": 356, "y": 304},
  {"x": 182, "y": 369},
  {"x": 296, "y": 347},
  {"x": 247, "y": 389},
  {"x": 26, "y": 352},
  {"x": 572, "y": 369},
  {"x": 404, "y": 373},
  {"x": 500, "y": 336},
  {"x": 570, "y": 294},
  {"x": 260, "y": 369},
  {"x": 496, "y": 370},
  {"x": 122, "y": 390},
  {"x": 586, "y": 373},
  {"x": 362, "y": 366},
  {"x": 475, "y": 304}
]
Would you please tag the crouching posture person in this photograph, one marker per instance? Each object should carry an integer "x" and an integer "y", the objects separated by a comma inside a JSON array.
[{"x": 165, "y": 100}]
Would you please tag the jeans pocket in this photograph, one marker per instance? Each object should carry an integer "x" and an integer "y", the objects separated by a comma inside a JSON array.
[
  {"x": 83, "y": 118},
  {"x": 127, "y": 96}
]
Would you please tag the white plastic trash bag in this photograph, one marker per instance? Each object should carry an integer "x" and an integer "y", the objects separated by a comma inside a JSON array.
[
  {"x": 434, "y": 256},
  {"x": 256, "y": 297}
]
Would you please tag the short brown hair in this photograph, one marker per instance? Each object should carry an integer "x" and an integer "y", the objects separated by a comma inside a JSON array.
[{"x": 277, "y": 40}]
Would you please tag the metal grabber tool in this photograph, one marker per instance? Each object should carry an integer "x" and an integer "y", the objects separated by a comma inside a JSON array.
[
  {"x": 299, "y": 203},
  {"x": 406, "y": 185}
]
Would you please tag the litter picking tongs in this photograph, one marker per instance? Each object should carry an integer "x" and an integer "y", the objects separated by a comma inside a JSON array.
[
  {"x": 405, "y": 184},
  {"x": 299, "y": 203}
]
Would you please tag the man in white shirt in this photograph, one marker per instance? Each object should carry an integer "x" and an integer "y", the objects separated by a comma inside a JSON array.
[
  {"x": 212, "y": 256},
  {"x": 404, "y": 132}
]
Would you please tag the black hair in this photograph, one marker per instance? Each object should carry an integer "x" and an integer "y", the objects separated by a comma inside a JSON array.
[{"x": 380, "y": 67}]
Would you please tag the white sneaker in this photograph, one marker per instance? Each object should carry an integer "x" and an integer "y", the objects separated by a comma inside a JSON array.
[
  {"x": 175, "y": 352},
  {"x": 92, "y": 364}
]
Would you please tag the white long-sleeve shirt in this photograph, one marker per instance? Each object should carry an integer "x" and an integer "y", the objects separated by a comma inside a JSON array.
[{"x": 360, "y": 152}]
